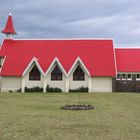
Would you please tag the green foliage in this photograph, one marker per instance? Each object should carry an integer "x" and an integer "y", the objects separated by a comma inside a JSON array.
[
  {"x": 34, "y": 89},
  {"x": 52, "y": 89},
  {"x": 80, "y": 89},
  {"x": 19, "y": 90}
]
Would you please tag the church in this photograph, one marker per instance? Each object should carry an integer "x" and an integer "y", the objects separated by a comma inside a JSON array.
[{"x": 66, "y": 64}]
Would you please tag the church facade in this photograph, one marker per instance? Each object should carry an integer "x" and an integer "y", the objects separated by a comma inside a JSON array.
[{"x": 66, "y": 64}]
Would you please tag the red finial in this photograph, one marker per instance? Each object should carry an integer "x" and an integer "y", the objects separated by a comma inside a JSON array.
[{"x": 9, "y": 27}]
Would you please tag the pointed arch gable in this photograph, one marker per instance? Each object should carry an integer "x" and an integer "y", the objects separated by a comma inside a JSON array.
[
  {"x": 53, "y": 64},
  {"x": 34, "y": 60},
  {"x": 77, "y": 62}
]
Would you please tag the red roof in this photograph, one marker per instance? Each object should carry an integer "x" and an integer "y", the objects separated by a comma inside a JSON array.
[
  {"x": 128, "y": 60},
  {"x": 9, "y": 27},
  {"x": 97, "y": 55}
]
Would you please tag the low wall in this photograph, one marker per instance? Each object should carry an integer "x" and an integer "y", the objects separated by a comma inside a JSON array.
[{"x": 126, "y": 86}]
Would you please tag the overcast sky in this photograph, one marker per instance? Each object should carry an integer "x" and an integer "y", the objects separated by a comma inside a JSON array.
[{"x": 117, "y": 19}]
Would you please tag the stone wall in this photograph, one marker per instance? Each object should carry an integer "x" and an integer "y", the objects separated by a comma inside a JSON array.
[{"x": 126, "y": 85}]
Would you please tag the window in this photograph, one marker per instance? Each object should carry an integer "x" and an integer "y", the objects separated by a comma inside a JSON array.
[
  {"x": 118, "y": 76},
  {"x": 56, "y": 74},
  {"x": 123, "y": 76},
  {"x": 138, "y": 76},
  {"x": 129, "y": 76},
  {"x": 78, "y": 74},
  {"x": 1, "y": 61},
  {"x": 34, "y": 74}
]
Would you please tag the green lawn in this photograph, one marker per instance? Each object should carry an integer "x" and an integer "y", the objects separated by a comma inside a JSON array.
[{"x": 37, "y": 116}]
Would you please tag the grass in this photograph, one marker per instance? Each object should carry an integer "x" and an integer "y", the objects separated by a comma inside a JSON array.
[{"x": 37, "y": 116}]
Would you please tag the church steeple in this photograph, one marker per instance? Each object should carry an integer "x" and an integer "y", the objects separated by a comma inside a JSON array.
[{"x": 9, "y": 30}]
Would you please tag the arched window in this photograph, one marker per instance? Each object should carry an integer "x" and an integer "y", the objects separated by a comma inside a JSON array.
[
  {"x": 78, "y": 74},
  {"x": 34, "y": 74},
  {"x": 1, "y": 61},
  {"x": 56, "y": 73}
]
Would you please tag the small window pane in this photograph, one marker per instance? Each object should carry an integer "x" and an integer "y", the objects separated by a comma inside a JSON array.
[
  {"x": 123, "y": 76},
  {"x": 118, "y": 76},
  {"x": 78, "y": 74},
  {"x": 34, "y": 74},
  {"x": 1, "y": 61},
  {"x": 56, "y": 74},
  {"x": 129, "y": 76},
  {"x": 138, "y": 76}
]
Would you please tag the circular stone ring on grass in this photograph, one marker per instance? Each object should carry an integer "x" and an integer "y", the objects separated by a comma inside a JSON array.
[{"x": 78, "y": 107}]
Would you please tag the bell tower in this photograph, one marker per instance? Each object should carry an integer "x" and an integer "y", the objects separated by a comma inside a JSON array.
[{"x": 9, "y": 30}]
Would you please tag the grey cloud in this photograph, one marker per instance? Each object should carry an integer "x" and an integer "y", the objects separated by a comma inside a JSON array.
[{"x": 119, "y": 19}]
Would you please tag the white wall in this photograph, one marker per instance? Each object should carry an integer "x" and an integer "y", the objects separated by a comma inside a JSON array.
[
  {"x": 99, "y": 84},
  {"x": 77, "y": 84},
  {"x": 102, "y": 84},
  {"x": 10, "y": 83},
  {"x": 32, "y": 83},
  {"x": 60, "y": 84}
]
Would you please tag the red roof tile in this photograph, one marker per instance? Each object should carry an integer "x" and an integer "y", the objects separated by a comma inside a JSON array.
[
  {"x": 97, "y": 55},
  {"x": 128, "y": 60}
]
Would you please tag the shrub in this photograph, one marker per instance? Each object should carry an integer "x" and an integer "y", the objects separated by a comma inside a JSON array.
[
  {"x": 53, "y": 89},
  {"x": 19, "y": 90},
  {"x": 34, "y": 89},
  {"x": 80, "y": 89}
]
